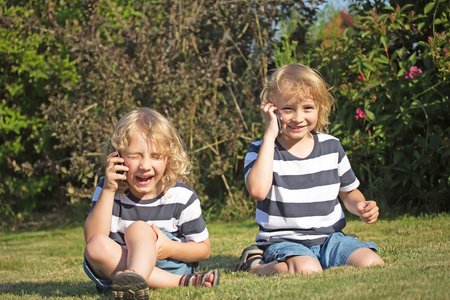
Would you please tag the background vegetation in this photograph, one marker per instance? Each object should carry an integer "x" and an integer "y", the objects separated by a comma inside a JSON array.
[{"x": 70, "y": 69}]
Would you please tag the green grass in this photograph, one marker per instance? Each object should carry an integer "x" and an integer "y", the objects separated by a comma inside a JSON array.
[{"x": 48, "y": 264}]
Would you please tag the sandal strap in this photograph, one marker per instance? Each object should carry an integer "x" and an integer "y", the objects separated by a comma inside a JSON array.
[
  {"x": 249, "y": 264},
  {"x": 199, "y": 278},
  {"x": 185, "y": 280},
  {"x": 244, "y": 264}
]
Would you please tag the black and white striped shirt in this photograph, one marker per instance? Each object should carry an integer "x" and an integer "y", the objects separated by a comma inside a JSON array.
[
  {"x": 178, "y": 212},
  {"x": 303, "y": 204}
]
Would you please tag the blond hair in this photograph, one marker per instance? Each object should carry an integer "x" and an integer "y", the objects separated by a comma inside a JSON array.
[
  {"x": 162, "y": 134},
  {"x": 300, "y": 82}
]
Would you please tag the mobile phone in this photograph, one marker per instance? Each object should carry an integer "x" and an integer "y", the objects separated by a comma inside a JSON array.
[
  {"x": 111, "y": 150},
  {"x": 279, "y": 121}
]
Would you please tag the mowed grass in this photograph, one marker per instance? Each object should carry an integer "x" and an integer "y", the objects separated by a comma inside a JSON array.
[{"x": 48, "y": 264}]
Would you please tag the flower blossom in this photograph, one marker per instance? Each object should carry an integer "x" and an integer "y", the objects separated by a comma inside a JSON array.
[
  {"x": 360, "y": 114},
  {"x": 415, "y": 71}
]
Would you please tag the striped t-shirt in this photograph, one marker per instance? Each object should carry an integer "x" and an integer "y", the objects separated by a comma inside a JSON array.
[
  {"x": 303, "y": 204},
  {"x": 178, "y": 212}
]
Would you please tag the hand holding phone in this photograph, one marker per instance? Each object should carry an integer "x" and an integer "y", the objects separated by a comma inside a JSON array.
[
  {"x": 279, "y": 118},
  {"x": 112, "y": 149},
  {"x": 279, "y": 121}
]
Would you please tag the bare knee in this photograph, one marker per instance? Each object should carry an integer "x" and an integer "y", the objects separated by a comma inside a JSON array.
[
  {"x": 138, "y": 231},
  {"x": 139, "y": 227},
  {"x": 303, "y": 264},
  {"x": 97, "y": 247},
  {"x": 364, "y": 257}
]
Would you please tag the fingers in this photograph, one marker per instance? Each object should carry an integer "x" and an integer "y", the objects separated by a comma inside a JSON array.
[
  {"x": 370, "y": 212},
  {"x": 270, "y": 119},
  {"x": 114, "y": 165},
  {"x": 156, "y": 230},
  {"x": 267, "y": 107}
]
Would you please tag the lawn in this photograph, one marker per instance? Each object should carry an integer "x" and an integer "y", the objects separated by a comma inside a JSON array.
[{"x": 48, "y": 264}]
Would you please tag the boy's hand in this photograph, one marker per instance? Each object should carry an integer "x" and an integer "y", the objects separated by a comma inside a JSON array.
[
  {"x": 270, "y": 119},
  {"x": 368, "y": 211},
  {"x": 162, "y": 243},
  {"x": 112, "y": 178}
]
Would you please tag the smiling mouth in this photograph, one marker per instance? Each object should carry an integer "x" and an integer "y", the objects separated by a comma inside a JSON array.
[
  {"x": 297, "y": 127},
  {"x": 144, "y": 179}
]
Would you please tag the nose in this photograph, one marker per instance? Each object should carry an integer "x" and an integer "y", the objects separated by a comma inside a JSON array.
[
  {"x": 298, "y": 117},
  {"x": 146, "y": 163}
]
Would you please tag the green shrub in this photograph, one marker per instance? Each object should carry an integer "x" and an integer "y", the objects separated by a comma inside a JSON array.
[
  {"x": 394, "y": 68},
  {"x": 71, "y": 69}
]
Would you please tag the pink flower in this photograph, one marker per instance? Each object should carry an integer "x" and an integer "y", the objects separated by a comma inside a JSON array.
[
  {"x": 415, "y": 71},
  {"x": 359, "y": 78},
  {"x": 360, "y": 114}
]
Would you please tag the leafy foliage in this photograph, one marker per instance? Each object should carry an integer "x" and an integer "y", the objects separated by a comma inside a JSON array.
[
  {"x": 391, "y": 85},
  {"x": 71, "y": 69}
]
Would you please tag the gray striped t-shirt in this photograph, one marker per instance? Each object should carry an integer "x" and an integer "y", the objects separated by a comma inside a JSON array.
[
  {"x": 178, "y": 212},
  {"x": 303, "y": 205}
]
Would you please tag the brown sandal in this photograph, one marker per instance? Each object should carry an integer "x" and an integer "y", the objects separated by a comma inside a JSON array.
[{"x": 199, "y": 279}]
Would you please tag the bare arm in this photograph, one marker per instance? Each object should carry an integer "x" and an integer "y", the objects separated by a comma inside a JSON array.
[
  {"x": 99, "y": 220},
  {"x": 259, "y": 179},
  {"x": 187, "y": 252},
  {"x": 355, "y": 203}
]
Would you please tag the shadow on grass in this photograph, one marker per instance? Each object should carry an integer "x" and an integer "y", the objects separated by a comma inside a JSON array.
[
  {"x": 222, "y": 262},
  {"x": 87, "y": 289},
  {"x": 49, "y": 289}
]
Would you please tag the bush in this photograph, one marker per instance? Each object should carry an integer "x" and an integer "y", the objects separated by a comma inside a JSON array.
[
  {"x": 390, "y": 78},
  {"x": 71, "y": 69}
]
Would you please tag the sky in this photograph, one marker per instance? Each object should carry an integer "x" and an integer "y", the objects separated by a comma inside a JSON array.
[{"x": 337, "y": 3}]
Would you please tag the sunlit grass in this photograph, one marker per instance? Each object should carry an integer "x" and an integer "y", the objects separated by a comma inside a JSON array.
[{"x": 48, "y": 264}]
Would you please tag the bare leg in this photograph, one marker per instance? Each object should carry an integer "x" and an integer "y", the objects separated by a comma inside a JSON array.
[
  {"x": 294, "y": 264},
  {"x": 105, "y": 256},
  {"x": 364, "y": 257},
  {"x": 142, "y": 253}
]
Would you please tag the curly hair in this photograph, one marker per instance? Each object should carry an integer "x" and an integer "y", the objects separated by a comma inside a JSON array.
[
  {"x": 160, "y": 132},
  {"x": 300, "y": 82}
]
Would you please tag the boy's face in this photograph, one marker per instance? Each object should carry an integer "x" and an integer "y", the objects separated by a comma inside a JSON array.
[
  {"x": 146, "y": 167},
  {"x": 299, "y": 116}
]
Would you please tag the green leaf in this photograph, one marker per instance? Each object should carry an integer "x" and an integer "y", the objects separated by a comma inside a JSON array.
[
  {"x": 382, "y": 59},
  {"x": 389, "y": 8},
  {"x": 413, "y": 58},
  {"x": 384, "y": 41},
  {"x": 372, "y": 85},
  {"x": 405, "y": 7},
  {"x": 416, "y": 180},
  {"x": 368, "y": 65},
  {"x": 369, "y": 115},
  {"x": 420, "y": 26},
  {"x": 397, "y": 156},
  {"x": 428, "y": 7}
]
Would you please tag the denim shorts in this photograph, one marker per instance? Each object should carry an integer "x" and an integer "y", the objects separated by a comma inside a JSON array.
[
  {"x": 334, "y": 252},
  {"x": 169, "y": 265}
]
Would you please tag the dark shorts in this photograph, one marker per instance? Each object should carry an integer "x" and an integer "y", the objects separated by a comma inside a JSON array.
[{"x": 333, "y": 253}]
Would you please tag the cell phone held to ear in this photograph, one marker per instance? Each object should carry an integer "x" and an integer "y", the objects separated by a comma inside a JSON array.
[
  {"x": 279, "y": 121},
  {"x": 111, "y": 150}
]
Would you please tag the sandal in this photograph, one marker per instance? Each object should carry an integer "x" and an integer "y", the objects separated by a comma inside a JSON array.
[
  {"x": 246, "y": 264},
  {"x": 199, "y": 279},
  {"x": 129, "y": 285}
]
